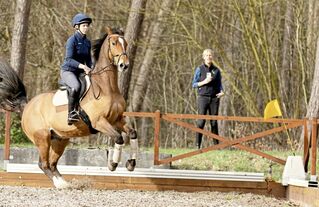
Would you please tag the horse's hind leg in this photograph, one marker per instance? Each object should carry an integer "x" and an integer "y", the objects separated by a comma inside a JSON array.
[
  {"x": 42, "y": 139},
  {"x": 57, "y": 148}
]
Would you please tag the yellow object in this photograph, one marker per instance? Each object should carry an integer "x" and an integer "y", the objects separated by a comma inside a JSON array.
[{"x": 272, "y": 109}]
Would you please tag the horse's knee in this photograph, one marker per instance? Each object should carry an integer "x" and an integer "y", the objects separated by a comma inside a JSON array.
[
  {"x": 133, "y": 134},
  {"x": 119, "y": 140},
  {"x": 53, "y": 166},
  {"x": 43, "y": 165}
]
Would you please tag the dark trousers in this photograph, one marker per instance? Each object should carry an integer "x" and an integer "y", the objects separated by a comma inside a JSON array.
[{"x": 206, "y": 103}]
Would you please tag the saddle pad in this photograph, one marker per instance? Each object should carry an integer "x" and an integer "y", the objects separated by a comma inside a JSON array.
[{"x": 61, "y": 96}]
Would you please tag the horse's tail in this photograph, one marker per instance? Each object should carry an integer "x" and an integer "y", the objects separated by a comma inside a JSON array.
[{"x": 13, "y": 96}]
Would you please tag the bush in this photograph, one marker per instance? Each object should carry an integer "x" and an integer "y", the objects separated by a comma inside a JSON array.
[{"x": 16, "y": 133}]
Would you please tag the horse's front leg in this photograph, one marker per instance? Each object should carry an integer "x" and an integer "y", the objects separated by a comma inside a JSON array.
[
  {"x": 114, "y": 156},
  {"x": 131, "y": 162}
]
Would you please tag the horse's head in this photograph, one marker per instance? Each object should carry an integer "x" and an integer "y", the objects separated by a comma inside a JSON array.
[{"x": 117, "y": 50}]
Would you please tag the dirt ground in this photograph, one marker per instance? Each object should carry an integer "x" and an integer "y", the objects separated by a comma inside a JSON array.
[{"x": 84, "y": 197}]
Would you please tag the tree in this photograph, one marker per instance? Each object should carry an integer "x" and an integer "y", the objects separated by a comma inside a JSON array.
[
  {"x": 142, "y": 80},
  {"x": 286, "y": 57},
  {"x": 132, "y": 32},
  {"x": 313, "y": 105},
  {"x": 19, "y": 37}
]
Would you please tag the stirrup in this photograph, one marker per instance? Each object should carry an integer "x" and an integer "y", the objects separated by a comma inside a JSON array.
[
  {"x": 73, "y": 117},
  {"x": 74, "y": 113}
]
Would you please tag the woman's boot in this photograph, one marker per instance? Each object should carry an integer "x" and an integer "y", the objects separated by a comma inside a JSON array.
[{"x": 73, "y": 115}]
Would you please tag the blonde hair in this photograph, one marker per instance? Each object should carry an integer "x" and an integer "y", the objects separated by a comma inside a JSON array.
[{"x": 208, "y": 51}]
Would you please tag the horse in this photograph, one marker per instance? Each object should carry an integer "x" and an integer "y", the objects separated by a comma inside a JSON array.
[{"x": 46, "y": 125}]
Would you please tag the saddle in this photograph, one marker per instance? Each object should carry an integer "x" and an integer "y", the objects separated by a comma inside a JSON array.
[{"x": 60, "y": 98}]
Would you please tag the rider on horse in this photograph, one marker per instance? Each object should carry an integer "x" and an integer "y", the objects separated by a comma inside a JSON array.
[{"x": 77, "y": 60}]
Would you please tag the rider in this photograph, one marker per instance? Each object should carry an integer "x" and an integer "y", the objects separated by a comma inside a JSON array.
[{"x": 77, "y": 60}]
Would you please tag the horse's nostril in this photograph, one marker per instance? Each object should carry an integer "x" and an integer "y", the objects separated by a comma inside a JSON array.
[
  {"x": 121, "y": 65},
  {"x": 125, "y": 67}
]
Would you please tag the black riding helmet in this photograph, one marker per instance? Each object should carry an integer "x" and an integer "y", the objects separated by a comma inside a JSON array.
[{"x": 80, "y": 19}]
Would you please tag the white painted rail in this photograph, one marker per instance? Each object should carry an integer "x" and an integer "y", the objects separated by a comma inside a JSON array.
[{"x": 143, "y": 172}]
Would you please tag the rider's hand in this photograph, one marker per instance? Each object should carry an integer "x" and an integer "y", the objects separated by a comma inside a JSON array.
[
  {"x": 218, "y": 95},
  {"x": 86, "y": 69}
]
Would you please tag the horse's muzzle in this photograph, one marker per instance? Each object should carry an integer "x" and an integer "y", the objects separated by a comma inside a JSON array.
[{"x": 123, "y": 66}]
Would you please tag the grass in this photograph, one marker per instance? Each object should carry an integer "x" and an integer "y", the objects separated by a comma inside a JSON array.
[{"x": 232, "y": 161}]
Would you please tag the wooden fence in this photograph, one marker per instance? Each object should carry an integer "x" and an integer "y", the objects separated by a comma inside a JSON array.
[
  {"x": 238, "y": 143},
  {"x": 224, "y": 142}
]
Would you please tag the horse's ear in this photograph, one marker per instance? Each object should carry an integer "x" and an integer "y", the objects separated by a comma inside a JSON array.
[
  {"x": 109, "y": 31},
  {"x": 121, "y": 31}
]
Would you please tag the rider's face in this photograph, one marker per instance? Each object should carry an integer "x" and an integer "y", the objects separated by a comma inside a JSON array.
[{"x": 84, "y": 28}]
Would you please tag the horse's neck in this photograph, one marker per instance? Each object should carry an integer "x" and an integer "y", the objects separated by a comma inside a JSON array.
[{"x": 107, "y": 79}]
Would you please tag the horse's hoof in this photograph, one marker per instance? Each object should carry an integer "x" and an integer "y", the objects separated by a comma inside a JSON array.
[
  {"x": 112, "y": 166},
  {"x": 60, "y": 183},
  {"x": 130, "y": 164}
]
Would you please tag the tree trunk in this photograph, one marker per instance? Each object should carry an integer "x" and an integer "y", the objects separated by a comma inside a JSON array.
[
  {"x": 142, "y": 80},
  {"x": 19, "y": 36},
  {"x": 313, "y": 106},
  {"x": 132, "y": 32},
  {"x": 285, "y": 72},
  {"x": 313, "y": 11}
]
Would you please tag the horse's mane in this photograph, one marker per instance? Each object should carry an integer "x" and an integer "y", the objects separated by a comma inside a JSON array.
[
  {"x": 97, "y": 44},
  {"x": 96, "y": 47}
]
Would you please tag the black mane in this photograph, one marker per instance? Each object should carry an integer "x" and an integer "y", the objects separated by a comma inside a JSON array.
[{"x": 96, "y": 47}]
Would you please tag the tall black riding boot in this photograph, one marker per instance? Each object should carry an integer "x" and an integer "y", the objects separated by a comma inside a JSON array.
[{"x": 73, "y": 112}]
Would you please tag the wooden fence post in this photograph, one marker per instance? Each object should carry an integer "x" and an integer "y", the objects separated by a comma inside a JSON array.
[
  {"x": 314, "y": 147},
  {"x": 157, "y": 126},
  {"x": 7, "y": 139},
  {"x": 306, "y": 145}
]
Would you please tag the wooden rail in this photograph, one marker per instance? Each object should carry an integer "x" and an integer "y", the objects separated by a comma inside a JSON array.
[
  {"x": 149, "y": 183},
  {"x": 224, "y": 142}
]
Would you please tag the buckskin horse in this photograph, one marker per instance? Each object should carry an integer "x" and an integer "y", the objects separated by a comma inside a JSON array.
[{"x": 47, "y": 127}]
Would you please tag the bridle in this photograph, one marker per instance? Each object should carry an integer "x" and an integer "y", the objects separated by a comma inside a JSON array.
[
  {"x": 109, "y": 51},
  {"x": 107, "y": 67}
]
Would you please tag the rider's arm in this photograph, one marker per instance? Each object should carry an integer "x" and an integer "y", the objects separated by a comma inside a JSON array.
[{"x": 70, "y": 62}]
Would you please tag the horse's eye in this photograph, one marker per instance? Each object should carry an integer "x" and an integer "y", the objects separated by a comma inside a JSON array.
[
  {"x": 113, "y": 43},
  {"x": 1, "y": 79}
]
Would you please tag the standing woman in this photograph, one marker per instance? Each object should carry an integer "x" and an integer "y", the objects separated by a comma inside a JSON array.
[
  {"x": 77, "y": 60},
  {"x": 208, "y": 81}
]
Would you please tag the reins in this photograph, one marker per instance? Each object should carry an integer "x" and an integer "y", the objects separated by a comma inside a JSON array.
[{"x": 104, "y": 69}]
